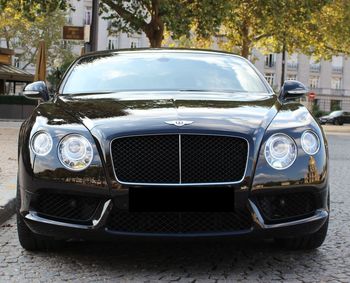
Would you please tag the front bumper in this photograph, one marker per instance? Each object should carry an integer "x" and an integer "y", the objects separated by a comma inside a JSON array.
[{"x": 98, "y": 228}]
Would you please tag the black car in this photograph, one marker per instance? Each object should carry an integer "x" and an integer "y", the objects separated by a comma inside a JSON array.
[
  {"x": 170, "y": 143},
  {"x": 336, "y": 118}
]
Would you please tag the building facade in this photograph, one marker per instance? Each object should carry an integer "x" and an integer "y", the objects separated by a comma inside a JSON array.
[{"x": 329, "y": 80}]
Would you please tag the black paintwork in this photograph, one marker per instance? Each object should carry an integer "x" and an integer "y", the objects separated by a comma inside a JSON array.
[
  {"x": 37, "y": 90},
  {"x": 103, "y": 117}
]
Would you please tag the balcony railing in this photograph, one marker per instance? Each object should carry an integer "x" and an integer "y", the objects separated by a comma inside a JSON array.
[
  {"x": 315, "y": 68},
  {"x": 328, "y": 91},
  {"x": 339, "y": 91},
  {"x": 292, "y": 66},
  {"x": 337, "y": 70}
]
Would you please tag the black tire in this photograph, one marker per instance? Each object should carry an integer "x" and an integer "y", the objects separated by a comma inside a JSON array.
[
  {"x": 306, "y": 242},
  {"x": 29, "y": 240}
]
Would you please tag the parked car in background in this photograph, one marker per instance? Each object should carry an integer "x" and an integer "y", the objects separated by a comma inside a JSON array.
[{"x": 336, "y": 118}]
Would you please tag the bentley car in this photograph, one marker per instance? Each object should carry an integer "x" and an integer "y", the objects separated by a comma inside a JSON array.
[{"x": 170, "y": 143}]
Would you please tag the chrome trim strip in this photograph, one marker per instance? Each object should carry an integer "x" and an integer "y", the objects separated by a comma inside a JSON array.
[
  {"x": 319, "y": 214},
  {"x": 96, "y": 223},
  {"x": 180, "y": 184}
]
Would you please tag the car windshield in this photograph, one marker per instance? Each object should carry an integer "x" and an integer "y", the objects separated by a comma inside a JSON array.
[
  {"x": 336, "y": 113},
  {"x": 163, "y": 71}
]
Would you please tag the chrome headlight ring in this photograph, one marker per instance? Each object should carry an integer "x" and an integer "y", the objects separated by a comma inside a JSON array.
[
  {"x": 41, "y": 143},
  {"x": 75, "y": 152},
  {"x": 310, "y": 142},
  {"x": 280, "y": 151}
]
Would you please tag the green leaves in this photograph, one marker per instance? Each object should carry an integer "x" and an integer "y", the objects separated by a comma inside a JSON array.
[
  {"x": 299, "y": 25},
  {"x": 154, "y": 16},
  {"x": 23, "y": 26}
]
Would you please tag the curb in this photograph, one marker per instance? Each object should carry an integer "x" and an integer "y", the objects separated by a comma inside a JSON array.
[{"x": 7, "y": 210}]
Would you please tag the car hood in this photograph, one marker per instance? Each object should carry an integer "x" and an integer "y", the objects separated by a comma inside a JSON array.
[
  {"x": 325, "y": 117},
  {"x": 148, "y": 112}
]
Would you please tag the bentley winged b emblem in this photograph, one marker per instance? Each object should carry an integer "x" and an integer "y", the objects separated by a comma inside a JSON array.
[{"x": 179, "y": 123}]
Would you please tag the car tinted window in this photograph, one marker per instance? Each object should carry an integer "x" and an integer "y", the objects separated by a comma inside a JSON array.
[{"x": 163, "y": 71}]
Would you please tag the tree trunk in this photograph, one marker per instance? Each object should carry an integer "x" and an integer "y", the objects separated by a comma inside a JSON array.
[
  {"x": 283, "y": 63},
  {"x": 155, "y": 38},
  {"x": 155, "y": 29},
  {"x": 245, "y": 50},
  {"x": 154, "y": 32}
]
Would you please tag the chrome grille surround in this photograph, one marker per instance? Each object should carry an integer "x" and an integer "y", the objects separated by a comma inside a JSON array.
[{"x": 180, "y": 183}]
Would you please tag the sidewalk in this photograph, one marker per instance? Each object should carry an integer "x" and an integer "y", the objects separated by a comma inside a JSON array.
[
  {"x": 8, "y": 162},
  {"x": 330, "y": 129},
  {"x": 8, "y": 167}
]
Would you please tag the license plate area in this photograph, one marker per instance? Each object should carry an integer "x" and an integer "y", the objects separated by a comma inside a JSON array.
[{"x": 184, "y": 199}]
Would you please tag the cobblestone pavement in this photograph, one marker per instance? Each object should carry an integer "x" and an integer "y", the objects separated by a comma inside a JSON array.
[
  {"x": 199, "y": 261},
  {"x": 8, "y": 161}
]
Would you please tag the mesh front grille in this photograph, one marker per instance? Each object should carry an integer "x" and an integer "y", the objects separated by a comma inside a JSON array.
[
  {"x": 212, "y": 158},
  {"x": 174, "y": 159},
  {"x": 178, "y": 222},
  {"x": 284, "y": 206},
  {"x": 147, "y": 159},
  {"x": 66, "y": 207}
]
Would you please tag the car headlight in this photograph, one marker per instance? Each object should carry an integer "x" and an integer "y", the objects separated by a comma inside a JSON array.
[
  {"x": 41, "y": 143},
  {"x": 75, "y": 152},
  {"x": 280, "y": 151},
  {"x": 310, "y": 142}
]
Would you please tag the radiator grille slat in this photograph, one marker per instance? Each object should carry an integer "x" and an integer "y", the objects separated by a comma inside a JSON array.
[{"x": 179, "y": 159}]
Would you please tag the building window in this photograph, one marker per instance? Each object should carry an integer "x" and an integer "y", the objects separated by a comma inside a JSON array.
[
  {"x": 315, "y": 65},
  {"x": 69, "y": 19},
  {"x": 16, "y": 62},
  {"x": 270, "y": 60},
  {"x": 291, "y": 77},
  {"x": 292, "y": 62},
  {"x": 314, "y": 82},
  {"x": 337, "y": 64},
  {"x": 134, "y": 42},
  {"x": 270, "y": 77},
  {"x": 336, "y": 83},
  {"x": 335, "y": 105},
  {"x": 112, "y": 44},
  {"x": 87, "y": 16}
]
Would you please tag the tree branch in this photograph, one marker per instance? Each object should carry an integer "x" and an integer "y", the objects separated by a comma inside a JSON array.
[
  {"x": 125, "y": 14},
  {"x": 258, "y": 37},
  {"x": 31, "y": 59}
]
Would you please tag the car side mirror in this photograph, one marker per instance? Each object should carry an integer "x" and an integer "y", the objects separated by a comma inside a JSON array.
[
  {"x": 292, "y": 90},
  {"x": 37, "y": 90}
]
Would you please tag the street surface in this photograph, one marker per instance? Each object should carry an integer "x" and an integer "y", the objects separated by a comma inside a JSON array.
[{"x": 195, "y": 261}]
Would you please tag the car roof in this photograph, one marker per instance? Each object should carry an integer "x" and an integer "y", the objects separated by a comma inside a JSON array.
[{"x": 159, "y": 50}]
